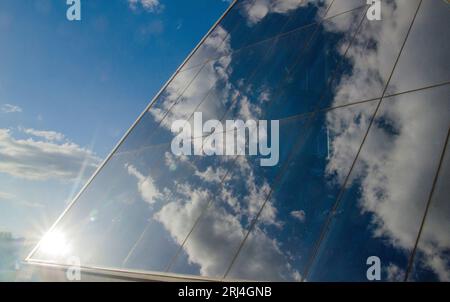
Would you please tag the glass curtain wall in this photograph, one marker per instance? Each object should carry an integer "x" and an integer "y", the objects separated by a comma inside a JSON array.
[{"x": 364, "y": 114}]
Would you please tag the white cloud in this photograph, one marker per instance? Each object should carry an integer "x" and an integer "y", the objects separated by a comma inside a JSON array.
[
  {"x": 394, "y": 273},
  {"x": 371, "y": 66},
  {"x": 264, "y": 96},
  {"x": 172, "y": 161},
  {"x": 154, "y": 28},
  {"x": 6, "y": 196},
  {"x": 263, "y": 258},
  {"x": 42, "y": 160},
  {"x": 182, "y": 212},
  {"x": 47, "y": 135},
  {"x": 299, "y": 215},
  {"x": 211, "y": 174},
  {"x": 258, "y": 10},
  {"x": 340, "y": 6},
  {"x": 8, "y": 108},
  {"x": 146, "y": 185},
  {"x": 148, "y": 5},
  {"x": 212, "y": 244}
]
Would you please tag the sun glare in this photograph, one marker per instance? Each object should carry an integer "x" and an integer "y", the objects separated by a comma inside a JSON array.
[{"x": 54, "y": 243}]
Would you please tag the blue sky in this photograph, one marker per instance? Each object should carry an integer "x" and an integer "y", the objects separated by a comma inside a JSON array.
[{"x": 78, "y": 86}]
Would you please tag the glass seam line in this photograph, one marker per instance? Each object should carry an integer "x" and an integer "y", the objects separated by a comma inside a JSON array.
[
  {"x": 293, "y": 150},
  {"x": 133, "y": 126},
  {"x": 252, "y": 75},
  {"x": 425, "y": 215},
  {"x": 325, "y": 226}
]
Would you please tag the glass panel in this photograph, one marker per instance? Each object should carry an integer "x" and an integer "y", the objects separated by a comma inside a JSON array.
[
  {"x": 226, "y": 83},
  {"x": 209, "y": 249},
  {"x": 381, "y": 209},
  {"x": 371, "y": 58},
  {"x": 102, "y": 226},
  {"x": 265, "y": 19},
  {"x": 256, "y": 75},
  {"x": 425, "y": 60},
  {"x": 432, "y": 261},
  {"x": 283, "y": 80},
  {"x": 306, "y": 86},
  {"x": 251, "y": 22},
  {"x": 278, "y": 247}
]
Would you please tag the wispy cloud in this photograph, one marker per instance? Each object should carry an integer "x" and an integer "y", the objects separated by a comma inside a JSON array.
[
  {"x": 8, "y": 108},
  {"x": 8, "y": 197},
  {"x": 47, "y": 135},
  {"x": 153, "y": 6},
  {"x": 41, "y": 159},
  {"x": 146, "y": 185},
  {"x": 299, "y": 215},
  {"x": 153, "y": 28},
  {"x": 256, "y": 11}
]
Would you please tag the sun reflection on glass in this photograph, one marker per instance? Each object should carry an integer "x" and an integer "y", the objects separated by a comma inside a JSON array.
[{"x": 54, "y": 243}]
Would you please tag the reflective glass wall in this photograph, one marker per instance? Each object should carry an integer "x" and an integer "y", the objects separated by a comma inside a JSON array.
[{"x": 364, "y": 114}]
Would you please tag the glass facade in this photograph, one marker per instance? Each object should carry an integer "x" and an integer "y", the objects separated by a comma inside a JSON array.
[{"x": 364, "y": 115}]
